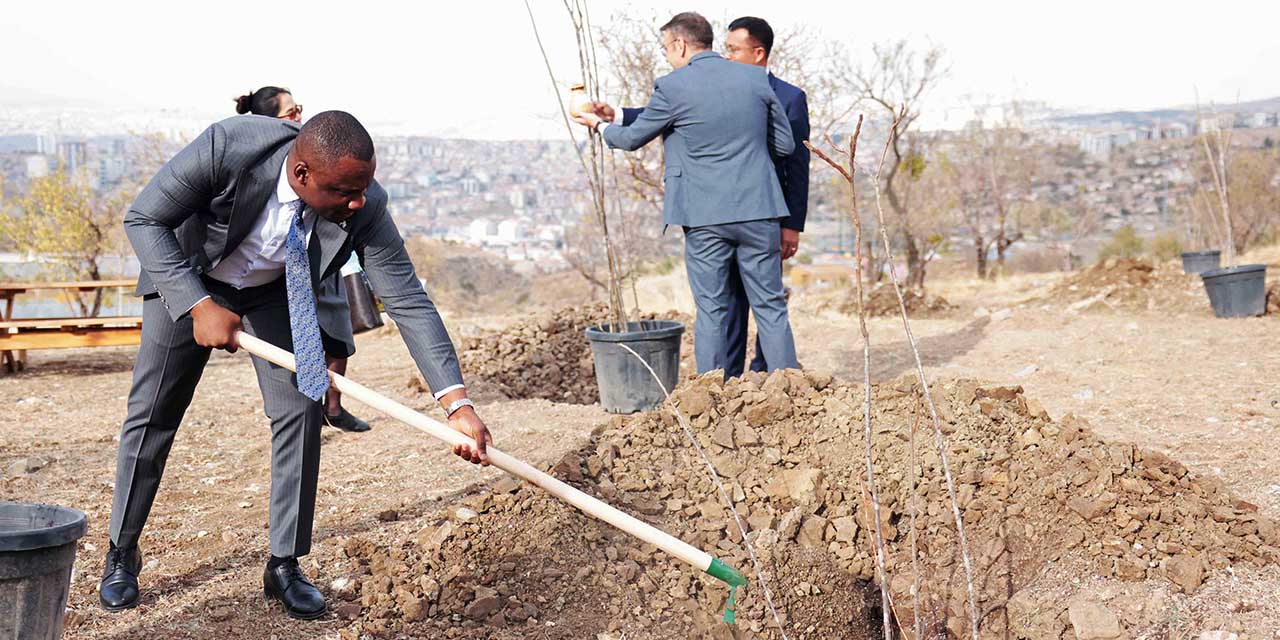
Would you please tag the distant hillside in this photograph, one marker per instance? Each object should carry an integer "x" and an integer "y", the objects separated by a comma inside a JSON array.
[{"x": 1185, "y": 114}]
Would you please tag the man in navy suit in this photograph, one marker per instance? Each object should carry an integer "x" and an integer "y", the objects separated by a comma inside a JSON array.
[{"x": 749, "y": 41}]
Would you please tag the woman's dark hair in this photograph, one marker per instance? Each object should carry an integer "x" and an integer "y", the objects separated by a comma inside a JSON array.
[{"x": 263, "y": 102}]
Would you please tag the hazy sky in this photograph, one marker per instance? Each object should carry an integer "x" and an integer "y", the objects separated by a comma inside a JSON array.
[{"x": 471, "y": 68}]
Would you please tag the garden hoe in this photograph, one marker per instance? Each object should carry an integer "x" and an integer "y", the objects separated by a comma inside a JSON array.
[{"x": 691, "y": 555}]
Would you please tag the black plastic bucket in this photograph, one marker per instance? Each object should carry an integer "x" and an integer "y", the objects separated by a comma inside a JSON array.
[
  {"x": 626, "y": 386},
  {"x": 37, "y": 550},
  {"x": 1197, "y": 262},
  {"x": 1237, "y": 292}
]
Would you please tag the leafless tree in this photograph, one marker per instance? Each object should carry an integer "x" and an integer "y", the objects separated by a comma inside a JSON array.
[
  {"x": 993, "y": 167},
  {"x": 894, "y": 83},
  {"x": 594, "y": 162}
]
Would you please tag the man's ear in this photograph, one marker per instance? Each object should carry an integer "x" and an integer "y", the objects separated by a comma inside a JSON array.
[{"x": 301, "y": 171}]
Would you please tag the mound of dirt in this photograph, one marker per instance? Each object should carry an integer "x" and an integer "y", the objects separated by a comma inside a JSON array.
[
  {"x": 1132, "y": 284},
  {"x": 882, "y": 301},
  {"x": 547, "y": 356},
  {"x": 790, "y": 450}
]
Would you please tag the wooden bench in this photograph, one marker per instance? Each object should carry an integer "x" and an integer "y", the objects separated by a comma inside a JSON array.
[
  {"x": 17, "y": 335},
  {"x": 66, "y": 333}
]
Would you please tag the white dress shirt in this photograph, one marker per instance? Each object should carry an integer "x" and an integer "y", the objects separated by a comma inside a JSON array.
[{"x": 260, "y": 257}]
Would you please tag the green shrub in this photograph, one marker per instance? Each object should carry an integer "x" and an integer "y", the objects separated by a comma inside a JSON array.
[
  {"x": 1125, "y": 243},
  {"x": 1166, "y": 246}
]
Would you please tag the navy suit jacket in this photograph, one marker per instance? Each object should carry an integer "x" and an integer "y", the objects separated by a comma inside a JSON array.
[{"x": 793, "y": 169}]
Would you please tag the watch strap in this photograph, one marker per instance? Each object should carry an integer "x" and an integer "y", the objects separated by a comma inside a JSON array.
[{"x": 458, "y": 404}]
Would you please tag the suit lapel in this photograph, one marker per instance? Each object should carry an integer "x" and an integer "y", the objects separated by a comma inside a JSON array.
[
  {"x": 253, "y": 188},
  {"x": 327, "y": 241}
]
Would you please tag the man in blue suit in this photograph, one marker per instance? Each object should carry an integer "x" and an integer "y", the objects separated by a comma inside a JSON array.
[
  {"x": 749, "y": 41},
  {"x": 721, "y": 126}
]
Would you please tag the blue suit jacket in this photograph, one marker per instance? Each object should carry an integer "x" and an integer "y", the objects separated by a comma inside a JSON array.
[
  {"x": 721, "y": 125},
  {"x": 793, "y": 169}
]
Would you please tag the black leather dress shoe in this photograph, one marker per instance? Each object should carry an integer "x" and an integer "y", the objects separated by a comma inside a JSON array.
[
  {"x": 119, "y": 587},
  {"x": 301, "y": 599},
  {"x": 346, "y": 422}
]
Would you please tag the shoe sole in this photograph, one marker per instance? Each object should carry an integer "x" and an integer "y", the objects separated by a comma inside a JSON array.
[
  {"x": 123, "y": 607},
  {"x": 270, "y": 597}
]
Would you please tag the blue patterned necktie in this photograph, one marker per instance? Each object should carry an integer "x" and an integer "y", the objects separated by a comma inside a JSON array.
[{"x": 308, "y": 351}]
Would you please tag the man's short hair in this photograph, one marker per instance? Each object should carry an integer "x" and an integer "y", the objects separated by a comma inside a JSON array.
[
  {"x": 332, "y": 135},
  {"x": 758, "y": 29},
  {"x": 690, "y": 27}
]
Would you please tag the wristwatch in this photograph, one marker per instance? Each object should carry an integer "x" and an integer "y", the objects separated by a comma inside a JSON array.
[{"x": 458, "y": 404}]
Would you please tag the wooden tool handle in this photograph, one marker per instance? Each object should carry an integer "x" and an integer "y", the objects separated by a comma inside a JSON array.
[{"x": 700, "y": 560}]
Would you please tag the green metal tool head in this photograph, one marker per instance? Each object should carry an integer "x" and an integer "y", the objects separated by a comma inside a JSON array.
[{"x": 729, "y": 576}]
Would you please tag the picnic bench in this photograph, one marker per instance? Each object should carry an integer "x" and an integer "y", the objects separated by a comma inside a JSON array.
[{"x": 20, "y": 334}]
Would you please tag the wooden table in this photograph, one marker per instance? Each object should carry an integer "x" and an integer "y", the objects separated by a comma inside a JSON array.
[{"x": 17, "y": 334}]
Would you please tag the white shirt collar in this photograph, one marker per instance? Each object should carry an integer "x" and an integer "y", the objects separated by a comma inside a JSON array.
[{"x": 284, "y": 192}]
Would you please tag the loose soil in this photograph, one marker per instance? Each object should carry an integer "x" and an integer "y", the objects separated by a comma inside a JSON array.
[{"x": 399, "y": 557}]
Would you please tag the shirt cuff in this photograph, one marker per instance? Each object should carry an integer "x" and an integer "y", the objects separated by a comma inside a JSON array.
[
  {"x": 197, "y": 302},
  {"x": 445, "y": 391}
]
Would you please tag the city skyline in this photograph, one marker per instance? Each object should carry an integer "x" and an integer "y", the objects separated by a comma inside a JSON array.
[{"x": 474, "y": 72}]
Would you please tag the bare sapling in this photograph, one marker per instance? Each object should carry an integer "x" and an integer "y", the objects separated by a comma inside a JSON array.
[
  {"x": 870, "y": 489},
  {"x": 593, "y": 161}
]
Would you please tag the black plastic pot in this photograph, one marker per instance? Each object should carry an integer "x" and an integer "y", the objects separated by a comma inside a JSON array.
[
  {"x": 626, "y": 386},
  {"x": 37, "y": 550},
  {"x": 1237, "y": 292},
  {"x": 1197, "y": 262}
]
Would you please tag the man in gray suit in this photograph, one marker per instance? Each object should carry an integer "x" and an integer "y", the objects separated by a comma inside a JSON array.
[
  {"x": 721, "y": 125},
  {"x": 235, "y": 232}
]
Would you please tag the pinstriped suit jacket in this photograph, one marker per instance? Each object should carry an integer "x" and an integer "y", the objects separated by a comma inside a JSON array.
[{"x": 203, "y": 203}]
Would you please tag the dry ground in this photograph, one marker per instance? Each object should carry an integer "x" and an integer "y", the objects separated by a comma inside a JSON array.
[{"x": 1199, "y": 388}]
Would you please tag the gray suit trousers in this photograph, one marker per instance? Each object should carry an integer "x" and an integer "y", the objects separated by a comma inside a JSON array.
[
  {"x": 755, "y": 247},
  {"x": 168, "y": 368}
]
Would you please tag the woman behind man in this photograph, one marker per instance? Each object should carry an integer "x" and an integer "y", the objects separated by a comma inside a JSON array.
[{"x": 331, "y": 296}]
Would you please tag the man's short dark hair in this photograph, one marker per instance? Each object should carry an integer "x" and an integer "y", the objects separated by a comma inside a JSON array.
[
  {"x": 690, "y": 27},
  {"x": 332, "y": 135},
  {"x": 758, "y": 29}
]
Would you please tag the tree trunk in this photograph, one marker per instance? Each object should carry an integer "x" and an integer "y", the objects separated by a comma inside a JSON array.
[
  {"x": 915, "y": 265},
  {"x": 875, "y": 264},
  {"x": 980, "y": 255},
  {"x": 94, "y": 274},
  {"x": 1003, "y": 242}
]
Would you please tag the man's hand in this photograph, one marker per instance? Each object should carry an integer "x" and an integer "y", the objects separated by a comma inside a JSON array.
[
  {"x": 790, "y": 243},
  {"x": 588, "y": 120},
  {"x": 603, "y": 111},
  {"x": 466, "y": 421},
  {"x": 214, "y": 326}
]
